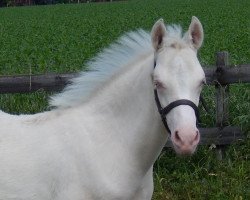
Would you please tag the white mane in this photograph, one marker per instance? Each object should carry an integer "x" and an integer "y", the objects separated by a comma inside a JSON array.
[{"x": 106, "y": 63}]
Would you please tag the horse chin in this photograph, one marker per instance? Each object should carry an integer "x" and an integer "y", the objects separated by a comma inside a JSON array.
[{"x": 184, "y": 151}]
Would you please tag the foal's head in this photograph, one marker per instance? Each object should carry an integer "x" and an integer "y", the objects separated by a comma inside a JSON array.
[{"x": 179, "y": 75}]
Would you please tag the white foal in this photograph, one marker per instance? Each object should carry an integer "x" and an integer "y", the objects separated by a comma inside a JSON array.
[{"x": 102, "y": 140}]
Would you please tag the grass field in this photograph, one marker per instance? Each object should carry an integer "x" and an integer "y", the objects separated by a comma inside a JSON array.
[{"x": 61, "y": 38}]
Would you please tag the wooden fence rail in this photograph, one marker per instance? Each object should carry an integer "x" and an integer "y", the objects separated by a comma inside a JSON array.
[
  {"x": 55, "y": 82},
  {"x": 220, "y": 76}
]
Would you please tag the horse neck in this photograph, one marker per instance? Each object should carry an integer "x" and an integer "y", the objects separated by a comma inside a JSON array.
[{"x": 127, "y": 103}]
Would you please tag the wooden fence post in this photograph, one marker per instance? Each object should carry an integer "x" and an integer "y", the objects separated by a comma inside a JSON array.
[{"x": 222, "y": 96}]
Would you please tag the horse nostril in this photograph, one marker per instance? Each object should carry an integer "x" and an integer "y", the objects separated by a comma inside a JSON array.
[
  {"x": 196, "y": 136},
  {"x": 176, "y": 136}
]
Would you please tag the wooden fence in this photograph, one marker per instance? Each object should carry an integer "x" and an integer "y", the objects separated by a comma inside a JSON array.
[{"x": 220, "y": 76}]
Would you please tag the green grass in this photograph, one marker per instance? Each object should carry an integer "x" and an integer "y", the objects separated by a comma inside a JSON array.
[
  {"x": 202, "y": 176},
  {"x": 61, "y": 38}
]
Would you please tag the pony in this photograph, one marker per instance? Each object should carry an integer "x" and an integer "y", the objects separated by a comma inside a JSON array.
[{"x": 105, "y": 132}]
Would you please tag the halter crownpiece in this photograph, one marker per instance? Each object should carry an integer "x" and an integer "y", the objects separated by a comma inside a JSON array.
[{"x": 164, "y": 111}]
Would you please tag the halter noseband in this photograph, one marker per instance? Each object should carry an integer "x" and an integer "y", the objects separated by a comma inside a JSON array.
[{"x": 164, "y": 111}]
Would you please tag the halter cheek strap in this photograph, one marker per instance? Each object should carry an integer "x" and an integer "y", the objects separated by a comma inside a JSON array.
[{"x": 164, "y": 111}]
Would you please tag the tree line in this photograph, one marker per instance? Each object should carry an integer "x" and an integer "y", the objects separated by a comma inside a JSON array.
[{"x": 7, "y": 3}]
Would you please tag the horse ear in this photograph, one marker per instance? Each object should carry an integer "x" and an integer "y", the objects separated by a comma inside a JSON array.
[
  {"x": 195, "y": 33},
  {"x": 157, "y": 34}
]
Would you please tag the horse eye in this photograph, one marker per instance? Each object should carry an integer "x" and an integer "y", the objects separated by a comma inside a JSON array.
[{"x": 158, "y": 84}]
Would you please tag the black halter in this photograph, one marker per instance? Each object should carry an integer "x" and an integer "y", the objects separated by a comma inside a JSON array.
[{"x": 164, "y": 111}]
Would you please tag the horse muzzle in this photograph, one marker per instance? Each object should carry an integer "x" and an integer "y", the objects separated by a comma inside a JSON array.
[{"x": 185, "y": 140}]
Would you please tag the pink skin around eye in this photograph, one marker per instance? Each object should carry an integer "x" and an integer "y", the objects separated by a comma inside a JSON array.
[{"x": 158, "y": 84}]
